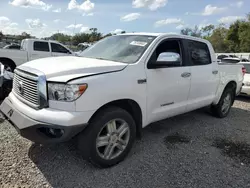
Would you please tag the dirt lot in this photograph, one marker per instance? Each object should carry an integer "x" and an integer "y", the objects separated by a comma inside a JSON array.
[{"x": 191, "y": 150}]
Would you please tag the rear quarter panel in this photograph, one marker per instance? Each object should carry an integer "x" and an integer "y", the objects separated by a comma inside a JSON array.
[{"x": 228, "y": 73}]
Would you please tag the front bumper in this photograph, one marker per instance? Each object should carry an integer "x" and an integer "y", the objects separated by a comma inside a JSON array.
[
  {"x": 245, "y": 90},
  {"x": 37, "y": 131}
]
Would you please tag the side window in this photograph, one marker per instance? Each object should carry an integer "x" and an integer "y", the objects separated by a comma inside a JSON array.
[
  {"x": 59, "y": 48},
  {"x": 199, "y": 53},
  {"x": 41, "y": 46},
  {"x": 167, "y": 54},
  {"x": 15, "y": 47}
]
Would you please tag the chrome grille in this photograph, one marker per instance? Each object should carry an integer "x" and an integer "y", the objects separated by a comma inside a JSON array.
[{"x": 25, "y": 86}]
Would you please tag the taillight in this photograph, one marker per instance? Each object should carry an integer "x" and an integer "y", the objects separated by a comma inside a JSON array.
[{"x": 244, "y": 70}]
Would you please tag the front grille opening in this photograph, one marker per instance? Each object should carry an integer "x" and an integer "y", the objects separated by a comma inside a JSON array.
[{"x": 26, "y": 89}]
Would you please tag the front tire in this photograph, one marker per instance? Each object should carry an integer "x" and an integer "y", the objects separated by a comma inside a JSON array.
[
  {"x": 108, "y": 138},
  {"x": 223, "y": 108}
]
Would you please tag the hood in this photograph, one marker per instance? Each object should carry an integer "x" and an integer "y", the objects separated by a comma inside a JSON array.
[{"x": 62, "y": 69}]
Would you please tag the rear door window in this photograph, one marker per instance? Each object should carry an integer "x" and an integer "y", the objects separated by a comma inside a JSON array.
[
  {"x": 41, "y": 46},
  {"x": 199, "y": 53}
]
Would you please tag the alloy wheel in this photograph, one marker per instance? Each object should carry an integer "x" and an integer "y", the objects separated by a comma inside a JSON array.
[{"x": 113, "y": 139}]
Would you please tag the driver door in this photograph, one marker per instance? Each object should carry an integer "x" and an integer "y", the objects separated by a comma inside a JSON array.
[{"x": 168, "y": 81}]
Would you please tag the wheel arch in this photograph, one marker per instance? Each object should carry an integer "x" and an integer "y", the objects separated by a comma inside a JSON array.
[
  {"x": 131, "y": 106},
  {"x": 231, "y": 84},
  {"x": 8, "y": 60}
]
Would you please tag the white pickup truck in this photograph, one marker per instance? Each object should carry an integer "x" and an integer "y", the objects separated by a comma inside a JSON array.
[
  {"x": 32, "y": 49},
  {"x": 120, "y": 85}
]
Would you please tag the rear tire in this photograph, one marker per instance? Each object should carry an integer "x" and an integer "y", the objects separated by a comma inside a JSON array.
[
  {"x": 102, "y": 142},
  {"x": 222, "y": 109}
]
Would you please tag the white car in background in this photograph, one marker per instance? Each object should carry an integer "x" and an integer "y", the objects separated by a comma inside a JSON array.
[{"x": 246, "y": 83}]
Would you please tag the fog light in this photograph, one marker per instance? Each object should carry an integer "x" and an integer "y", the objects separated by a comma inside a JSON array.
[{"x": 51, "y": 132}]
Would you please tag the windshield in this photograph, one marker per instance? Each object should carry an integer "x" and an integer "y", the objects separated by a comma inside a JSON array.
[
  {"x": 121, "y": 48},
  {"x": 247, "y": 66}
]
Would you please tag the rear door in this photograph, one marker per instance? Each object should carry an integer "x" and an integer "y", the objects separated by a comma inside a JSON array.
[
  {"x": 59, "y": 50},
  {"x": 40, "y": 49},
  {"x": 204, "y": 75}
]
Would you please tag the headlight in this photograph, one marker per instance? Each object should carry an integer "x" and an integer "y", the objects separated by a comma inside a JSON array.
[{"x": 65, "y": 92}]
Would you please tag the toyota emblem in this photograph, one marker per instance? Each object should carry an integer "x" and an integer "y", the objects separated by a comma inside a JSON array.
[{"x": 20, "y": 87}]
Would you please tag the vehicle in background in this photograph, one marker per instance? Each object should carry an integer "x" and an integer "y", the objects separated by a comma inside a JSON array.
[
  {"x": 32, "y": 49},
  {"x": 246, "y": 83},
  {"x": 82, "y": 46},
  {"x": 220, "y": 57},
  {"x": 12, "y": 46},
  {"x": 244, "y": 60},
  {"x": 6, "y": 79},
  {"x": 233, "y": 60},
  {"x": 120, "y": 85}
]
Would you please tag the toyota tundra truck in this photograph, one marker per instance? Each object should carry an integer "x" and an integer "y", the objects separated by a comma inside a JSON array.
[{"x": 118, "y": 86}]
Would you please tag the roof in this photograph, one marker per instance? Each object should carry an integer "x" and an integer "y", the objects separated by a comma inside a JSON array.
[
  {"x": 41, "y": 40},
  {"x": 167, "y": 35},
  {"x": 143, "y": 33}
]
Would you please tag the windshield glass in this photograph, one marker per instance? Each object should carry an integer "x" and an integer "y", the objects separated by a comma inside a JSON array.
[
  {"x": 122, "y": 48},
  {"x": 247, "y": 66}
]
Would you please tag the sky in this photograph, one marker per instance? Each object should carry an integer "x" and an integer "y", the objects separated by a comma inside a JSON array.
[{"x": 42, "y": 18}]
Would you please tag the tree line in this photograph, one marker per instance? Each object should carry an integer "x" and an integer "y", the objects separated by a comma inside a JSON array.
[{"x": 232, "y": 39}]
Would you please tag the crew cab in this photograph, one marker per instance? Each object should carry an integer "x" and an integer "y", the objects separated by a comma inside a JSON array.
[
  {"x": 32, "y": 49},
  {"x": 118, "y": 86}
]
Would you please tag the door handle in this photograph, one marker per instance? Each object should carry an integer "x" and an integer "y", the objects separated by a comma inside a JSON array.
[
  {"x": 215, "y": 72},
  {"x": 186, "y": 74}
]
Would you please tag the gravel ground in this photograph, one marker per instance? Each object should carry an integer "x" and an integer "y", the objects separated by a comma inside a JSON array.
[{"x": 191, "y": 150}]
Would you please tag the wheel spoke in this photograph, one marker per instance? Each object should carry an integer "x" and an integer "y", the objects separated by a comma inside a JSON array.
[
  {"x": 109, "y": 151},
  {"x": 120, "y": 146},
  {"x": 224, "y": 106},
  {"x": 111, "y": 126},
  {"x": 122, "y": 142},
  {"x": 102, "y": 141},
  {"x": 122, "y": 130}
]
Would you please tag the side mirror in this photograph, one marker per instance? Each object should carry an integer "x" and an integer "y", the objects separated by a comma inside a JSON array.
[{"x": 167, "y": 59}]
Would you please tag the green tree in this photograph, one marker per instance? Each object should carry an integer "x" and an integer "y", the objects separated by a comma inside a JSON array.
[
  {"x": 244, "y": 35},
  {"x": 195, "y": 32},
  {"x": 218, "y": 39},
  {"x": 207, "y": 30},
  {"x": 233, "y": 36},
  {"x": 61, "y": 37}
]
